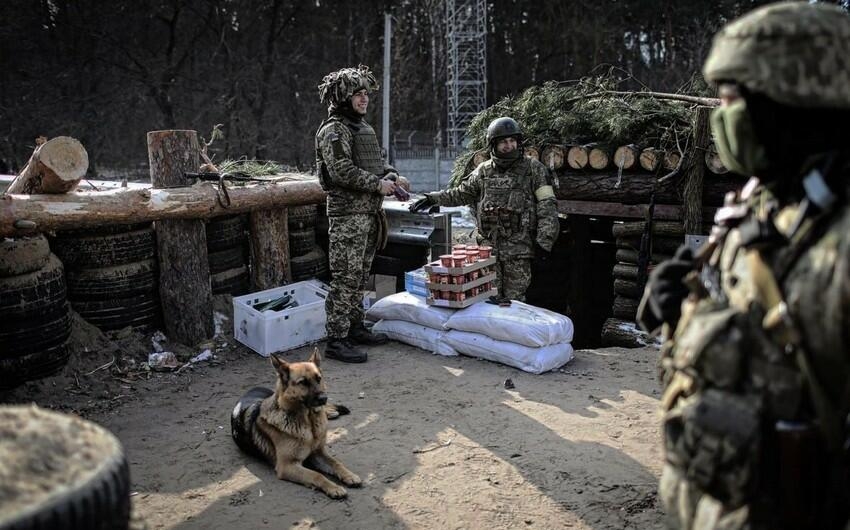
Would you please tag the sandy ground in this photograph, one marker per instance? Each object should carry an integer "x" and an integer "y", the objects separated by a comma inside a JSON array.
[{"x": 439, "y": 442}]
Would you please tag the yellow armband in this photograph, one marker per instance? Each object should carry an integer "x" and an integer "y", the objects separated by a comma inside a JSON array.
[{"x": 544, "y": 192}]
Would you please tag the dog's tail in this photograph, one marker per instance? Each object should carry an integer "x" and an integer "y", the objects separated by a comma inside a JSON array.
[
  {"x": 335, "y": 411},
  {"x": 243, "y": 420}
]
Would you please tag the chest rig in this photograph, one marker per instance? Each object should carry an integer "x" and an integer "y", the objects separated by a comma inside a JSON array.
[{"x": 506, "y": 208}]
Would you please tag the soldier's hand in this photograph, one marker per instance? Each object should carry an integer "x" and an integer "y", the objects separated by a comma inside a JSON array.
[
  {"x": 387, "y": 187},
  {"x": 665, "y": 288},
  {"x": 423, "y": 204}
]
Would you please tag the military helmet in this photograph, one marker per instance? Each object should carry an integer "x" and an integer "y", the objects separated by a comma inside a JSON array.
[
  {"x": 337, "y": 87},
  {"x": 502, "y": 127},
  {"x": 795, "y": 53}
]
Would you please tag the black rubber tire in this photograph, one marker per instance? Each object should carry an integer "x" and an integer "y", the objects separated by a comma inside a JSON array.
[
  {"x": 311, "y": 265},
  {"x": 139, "y": 312},
  {"x": 93, "y": 252},
  {"x": 226, "y": 232},
  {"x": 301, "y": 242},
  {"x": 38, "y": 296},
  {"x": 301, "y": 217},
  {"x": 120, "y": 281},
  {"x": 95, "y": 500},
  {"x": 230, "y": 258},
  {"x": 23, "y": 255},
  {"x": 17, "y": 370},
  {"x": 29, "y": 338},
  {"x": 234, "y": 281}
]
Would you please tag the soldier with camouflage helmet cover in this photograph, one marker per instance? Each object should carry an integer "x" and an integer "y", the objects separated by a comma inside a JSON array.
[
  {"x": 352, "y": 171},
  {"x": 514, "y": 205},
  {"x": 756, "y": 367}
]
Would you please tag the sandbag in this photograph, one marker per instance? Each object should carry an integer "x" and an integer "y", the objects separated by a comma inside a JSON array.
[
  {"x": 428, "y": 339},
  {"x": 534, "y": 360},
  {"x": 410, "y": 308},
  {"x": 520, "y": 323}
]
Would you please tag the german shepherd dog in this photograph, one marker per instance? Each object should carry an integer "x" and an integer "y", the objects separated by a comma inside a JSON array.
[{"x": 288, "y": 427}]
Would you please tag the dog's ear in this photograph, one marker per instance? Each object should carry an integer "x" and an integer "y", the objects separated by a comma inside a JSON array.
[
  {"x": 315, "y": 358},
  {"x": 281, "y": 367}
]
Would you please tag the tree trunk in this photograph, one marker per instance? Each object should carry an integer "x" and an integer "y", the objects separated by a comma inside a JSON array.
[
  {"x": 599, "y": 156},
  {"x": 184, "y": 277},
  {"x": 650, "y": 159},
  {"x": 56, "y": 166},
  {"x": 553, "y": 156},
  {"x": 626, "y": 156},
  {"x": 692, "y": 194},
  {"x": 625, "y": 334},
  {"x": 577, "y": 156},
  {"x": 270, "y": 249},
  {"x": 127, "y": 206},
  {"x": 632, "y": 188}
]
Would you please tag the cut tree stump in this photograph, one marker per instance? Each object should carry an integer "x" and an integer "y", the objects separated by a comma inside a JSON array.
[
  {"x": 270, "y": 249},
  {"x": 56, "y": 166},
  {"x": 577, "y": 156},
  {"x": 184, "y": 280}
]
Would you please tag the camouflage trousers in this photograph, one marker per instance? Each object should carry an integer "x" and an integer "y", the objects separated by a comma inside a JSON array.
[
  {"x": 352, "y": 246},
  {"x": 513, "y": 276}
]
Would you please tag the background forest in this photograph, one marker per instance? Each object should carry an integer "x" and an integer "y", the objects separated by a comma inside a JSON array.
[{"x": 108, "y": 72}]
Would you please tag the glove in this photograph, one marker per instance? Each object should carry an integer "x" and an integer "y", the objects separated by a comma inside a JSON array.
[
  {"x": 664, "y": 288},
  {"x": 542, "y": 253},
  {"x": 423, "y": 204}
]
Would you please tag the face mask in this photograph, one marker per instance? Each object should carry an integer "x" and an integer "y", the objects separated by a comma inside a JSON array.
[{"x": 736, "y": 141}]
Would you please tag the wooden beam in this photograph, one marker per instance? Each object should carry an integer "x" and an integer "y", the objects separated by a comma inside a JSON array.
[{"x": 125, "y": 206}]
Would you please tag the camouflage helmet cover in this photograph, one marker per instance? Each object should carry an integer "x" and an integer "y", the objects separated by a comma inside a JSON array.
[
  {"x": 795, "y": 53},
  {"x": 502, "y": 127},
  {"x": 337, "y": 87}
]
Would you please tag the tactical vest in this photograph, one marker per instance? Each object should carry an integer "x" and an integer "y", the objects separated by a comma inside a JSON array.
[
  {"x": 506, "y": 210},
  {"x": 364, "y": 147}
]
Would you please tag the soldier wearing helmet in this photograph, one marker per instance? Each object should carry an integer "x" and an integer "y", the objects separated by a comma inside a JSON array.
[
  {"x": 351, "y": 170},
  {"x": 514, "y": 204},
  {"x": 756, "y": 367}
]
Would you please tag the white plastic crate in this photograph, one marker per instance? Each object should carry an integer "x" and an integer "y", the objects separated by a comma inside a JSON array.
[{"x": 277, "y": 331}]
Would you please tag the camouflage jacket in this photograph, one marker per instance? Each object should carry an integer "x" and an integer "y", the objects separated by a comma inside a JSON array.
[
  {"x": 350, "y": 166},
  {"x": 514, "y": 207}
]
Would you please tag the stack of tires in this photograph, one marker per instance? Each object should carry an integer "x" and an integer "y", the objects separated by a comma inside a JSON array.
[
  {"x": 34, "y": 319},
  {"x": 227, "y": 252},
  {"x": 112, "y": 275},
  {"x": 308, "y": 260}
]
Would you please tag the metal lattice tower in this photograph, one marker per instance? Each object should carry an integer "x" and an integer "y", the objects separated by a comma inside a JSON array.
[{"x": 466, "y": 32}]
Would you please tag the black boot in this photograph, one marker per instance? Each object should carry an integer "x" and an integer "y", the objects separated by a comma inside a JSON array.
[
  {"x": 358, "y": 334},
  {"x": 343, "y": 350}
]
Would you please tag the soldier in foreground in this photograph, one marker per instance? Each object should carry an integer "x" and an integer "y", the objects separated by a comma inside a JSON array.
[
  {"x": 515, "y": 206},
  {"x": 757, "y": 370},
  {"x": 351, "y": 170}
]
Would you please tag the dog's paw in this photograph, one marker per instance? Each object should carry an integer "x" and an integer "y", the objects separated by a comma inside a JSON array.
[
  {"x": 351, "y": 480},
  {"x": 335, "y": 491}
]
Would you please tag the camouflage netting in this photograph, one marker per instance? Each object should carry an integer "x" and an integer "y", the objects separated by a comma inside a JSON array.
[{"x": 576, "y": 113}]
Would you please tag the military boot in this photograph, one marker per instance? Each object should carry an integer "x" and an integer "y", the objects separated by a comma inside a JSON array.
[
  {"x": 358, "y": 334},
  {"x": 343, "y": 350}
]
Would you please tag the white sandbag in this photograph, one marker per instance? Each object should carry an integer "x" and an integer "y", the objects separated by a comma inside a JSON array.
[
  {"x": 410, "y": 308},
  {"x": 428, "y": 339},
  {"x": 534, "y": 360},
  {"x": 520, "y": 323}
]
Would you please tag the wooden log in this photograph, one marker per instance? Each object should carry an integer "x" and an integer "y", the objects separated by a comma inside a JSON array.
[
  {"x": 553, "y": 156},
  {"x": 671, "y": 160},
  {"x": 599, "y": 156},
  {"x": 623, "y": 211},
  {"x": 625, "y": 334},
  {"x": 625, "y": 271},
  {"x": 626, "y": 156},
  {"x": 631, "y": 256},
  {"x": 480, "y": 156},
  {"x": 610, "y": 186},
  {"x": 713, "y": 162},
  {"x": 532, "y": 152},
  {"x": 692, "y": 193},
  {"x": 628, "y": 288},
  {"x": 659, "y": 228},
  {"x": 625, "y": 308},
  {"x": 184, "y": 274},
  {"x": 577, "y": 156},
  {"x": 56, "y": 166},
  {"x": 271, "y": 266},
  {"x": 660, "y": 245},
  {"x": 83, "y": 209},
  {"x": 650, "y": 159}
]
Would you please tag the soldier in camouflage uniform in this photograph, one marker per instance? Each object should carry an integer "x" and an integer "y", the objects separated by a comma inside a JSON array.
[
  {"x": 351, "y": 171},
  {"x": 756, "y": 367},
  {"x": 514, "y": 204}
]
